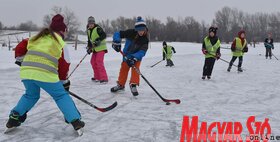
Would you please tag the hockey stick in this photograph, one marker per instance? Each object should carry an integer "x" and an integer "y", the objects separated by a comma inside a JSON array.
[
  {"x": 92, "y": 105},
  {"x": 223, "y": 60},
  {"x": 156, "y": 63},
  {"x": 77, "y": 66},
  {"x": 177, "y": 101},
  {"x": 274, "y": 56}
]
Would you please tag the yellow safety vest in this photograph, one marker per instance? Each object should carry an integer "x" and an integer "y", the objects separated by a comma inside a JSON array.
[
  {"x": 239, "y": 47},
  {"x": 41, "y": 60},
  {"x": 93, "y": 36},
  {"x": 211, "y": 49}
]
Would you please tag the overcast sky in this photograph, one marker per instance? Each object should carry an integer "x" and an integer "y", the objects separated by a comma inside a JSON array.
[{"x": 13, "y": 12}]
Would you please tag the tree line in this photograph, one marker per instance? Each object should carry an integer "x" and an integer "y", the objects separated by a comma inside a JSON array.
[{"x": 228, "y": 20}]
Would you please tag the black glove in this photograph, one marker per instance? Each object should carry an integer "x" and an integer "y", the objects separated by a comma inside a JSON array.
[
  {"x": 96, "y": 42},
  {"x": 233, "y": 49},
  {"x": 117, "y": 46},
  {"x": 131, "y": 62},
  {"x": 19, "y": 60},
  {"x": 66, "y": 85},
  {"x": 18, "y": 63},
  {"x": 245, "y": 50},
  {"x": 89, "y": 50},
  {"x": 218, "y": 55},
  {"x": 272, "y": 47},
  {"x": 163, "y": 59}
]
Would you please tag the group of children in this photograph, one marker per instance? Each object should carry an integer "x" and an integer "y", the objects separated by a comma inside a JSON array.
[
  {"x": 211, "y": 50},
  {"x": 44, "y": 63}
]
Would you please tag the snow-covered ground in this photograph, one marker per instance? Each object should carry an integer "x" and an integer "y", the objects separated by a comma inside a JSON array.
[{"x": 227, "y": 97}]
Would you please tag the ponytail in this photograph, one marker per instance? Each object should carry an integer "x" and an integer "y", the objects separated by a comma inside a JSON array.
[{"x": 44, "y": 32}]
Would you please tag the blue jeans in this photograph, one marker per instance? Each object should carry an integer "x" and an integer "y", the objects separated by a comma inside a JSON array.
[{"x": 58, "y": 93}]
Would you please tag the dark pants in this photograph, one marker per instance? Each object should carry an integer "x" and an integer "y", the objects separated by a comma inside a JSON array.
[
  {"x": 208, "y": 66},
  {"x": 268, "y": 52},
  {"x": 233, "y": 60},
  {"x": 169, "y": 62}
]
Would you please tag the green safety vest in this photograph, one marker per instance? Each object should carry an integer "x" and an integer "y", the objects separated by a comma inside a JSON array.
[
  {"x": 211, "y": 49},
  {"x": 94, "y": 35},
  {"x": 239, "y": 47},
  {"x": 168, "y": 51},
  {"x": 41, "y": 60}
]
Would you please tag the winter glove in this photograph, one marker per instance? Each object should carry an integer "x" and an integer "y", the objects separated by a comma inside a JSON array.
[
  {"x": 272, "y": 47},
  {"x": 233, "y": 49},
  {"x": 89, "y": 50},
  {"x": 66, "y": 84},
  {"x": 218, "y": 55},
  {"x": 163, "y": 59},
  {"x": 131, "y": 62},
  {"x": 18, "y": 63},
  {"x": 96, "y": 42},
  {"x": 245, "y": 49},
  {"x": 116, "y": 46},
  {"x": 19, "y": 60},
  {"x": 204, "y": 51}
]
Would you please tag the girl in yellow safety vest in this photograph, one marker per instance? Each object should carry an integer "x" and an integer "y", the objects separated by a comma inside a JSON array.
[
  {"x": 238, "y": 48},
  {"x": 39, "y": 70}
]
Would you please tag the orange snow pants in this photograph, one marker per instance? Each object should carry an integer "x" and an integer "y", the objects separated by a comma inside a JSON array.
[{"x": 135, "y": 77}]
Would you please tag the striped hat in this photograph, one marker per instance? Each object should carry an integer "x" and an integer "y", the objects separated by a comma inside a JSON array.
[{"x": 140, "y": 24}]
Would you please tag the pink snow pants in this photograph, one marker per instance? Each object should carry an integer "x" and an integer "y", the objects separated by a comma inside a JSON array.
[{"x": 97, "y": 63}]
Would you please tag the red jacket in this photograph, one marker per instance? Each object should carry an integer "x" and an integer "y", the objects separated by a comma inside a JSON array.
[{"x": 63, "y": 65}]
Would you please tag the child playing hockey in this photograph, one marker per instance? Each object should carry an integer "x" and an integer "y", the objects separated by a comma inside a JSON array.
[
  {"x": 211, "y": 50},
  {"x": 268, "y": 43},
  {"x": 39, "y": 69},
  {"x": 238, "y": 48},
  {"x": 167, "y": 54},
  {"x": 135, "y": 48}
]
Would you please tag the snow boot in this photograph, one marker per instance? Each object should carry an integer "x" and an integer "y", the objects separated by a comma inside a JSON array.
[
  {"x": 208, "y": 77},
  {"x": 239, "y": 69},
  {"x": 103, "y": 81},
  {"x": 94, "y": 80},
  {"x": 203, "y": 77},
  {"x": 78, "y": 124},
  {"x": 117, "y": 88},
  {"x": 229, "y": 68},
  {"x": 15, "y": 119},
  {"x": 134, "y": 90}
]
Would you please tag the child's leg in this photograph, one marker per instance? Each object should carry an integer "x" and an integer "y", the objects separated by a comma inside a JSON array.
[
  {"x": 29, "y": 99},
  {"x": 123, "y": 73},
  {"x": 62, "y": 99},
  {"x": 135, "y": 77},
  {"x": 232, "y": 60},
  {"x": 102, "y": 74},
  {"x": 205, "y": 67},
  {"x": 211, "y": 66},
  {"x": 240, "y": 61}
]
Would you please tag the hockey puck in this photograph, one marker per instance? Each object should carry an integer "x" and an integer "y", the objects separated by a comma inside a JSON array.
[{"x": 167, "y": 103}]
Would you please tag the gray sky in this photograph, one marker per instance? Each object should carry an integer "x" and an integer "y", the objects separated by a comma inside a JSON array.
[{"x": 13, "y": 12}]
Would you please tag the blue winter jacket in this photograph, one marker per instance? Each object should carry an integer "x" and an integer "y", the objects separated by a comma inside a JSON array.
[{"x": 135, "y": 46}]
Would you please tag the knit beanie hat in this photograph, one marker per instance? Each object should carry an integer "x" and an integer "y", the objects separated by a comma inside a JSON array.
[
  {"x": 213, "y": 29},
  {"x": 91, "y": 20},
  {"x": 58, "y": 24},
  {"x": 140, "y": 24}
]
